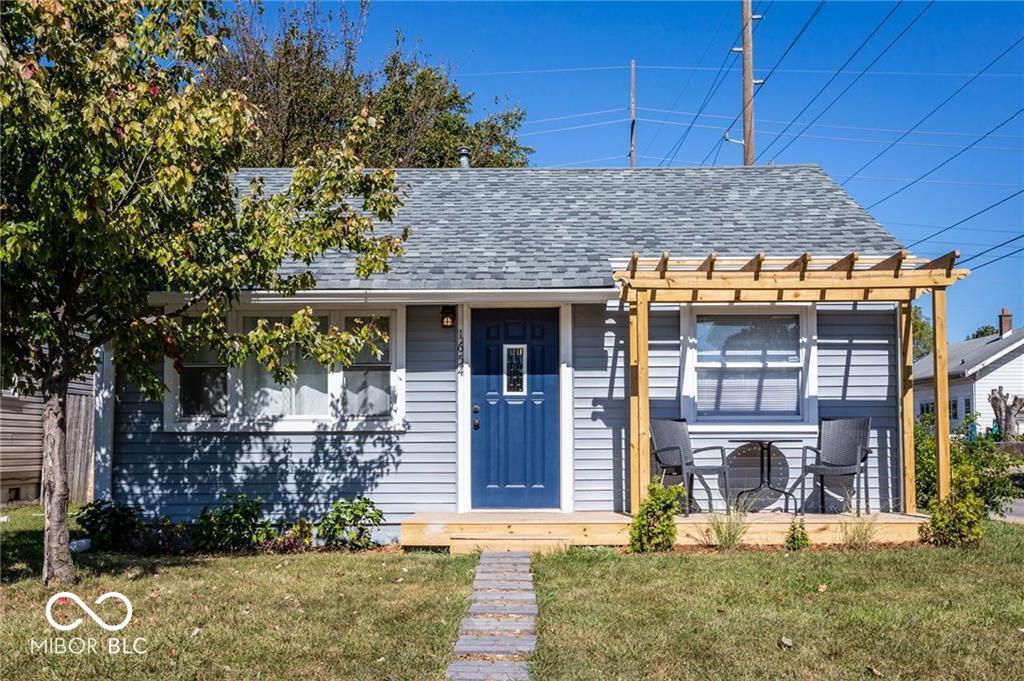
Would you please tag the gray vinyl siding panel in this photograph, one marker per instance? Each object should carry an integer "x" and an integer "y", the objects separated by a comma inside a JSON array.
[
  {"x": 176, "y": 474},
  {"x": 857, "y": 376}
]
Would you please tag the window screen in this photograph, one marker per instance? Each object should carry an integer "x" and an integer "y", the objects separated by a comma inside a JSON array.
[{"x": 748, "y": 365}]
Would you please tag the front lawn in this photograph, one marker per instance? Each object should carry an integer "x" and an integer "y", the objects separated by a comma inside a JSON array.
[
  {"x": 311, "y": 616},
  {"x": 906, "y": 613}
]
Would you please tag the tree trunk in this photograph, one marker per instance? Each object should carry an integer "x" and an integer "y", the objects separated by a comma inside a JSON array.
[{"x": 58, "y": 570}]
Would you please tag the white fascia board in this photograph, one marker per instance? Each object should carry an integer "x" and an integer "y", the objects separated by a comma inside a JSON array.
[
  {"x": 419, "y": 296},
  {"x": 994, "y": 358}
]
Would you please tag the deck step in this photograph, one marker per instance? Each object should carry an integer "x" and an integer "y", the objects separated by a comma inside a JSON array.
[{"x": 468, "y": 543}]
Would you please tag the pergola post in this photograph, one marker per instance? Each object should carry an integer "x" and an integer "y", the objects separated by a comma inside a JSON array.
[
  {"x": 634, "y": 412},
  {"x": 941, "y": 357},
  {"x": 639, "y": 400},
  {"x": 907, "y": 406}
]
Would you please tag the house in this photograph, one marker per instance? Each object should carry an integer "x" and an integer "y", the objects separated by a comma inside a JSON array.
[
  {"x": 506, "y": 382},
  {"x": 21, "y": 443},
  {"x": 976, "y": 367}
]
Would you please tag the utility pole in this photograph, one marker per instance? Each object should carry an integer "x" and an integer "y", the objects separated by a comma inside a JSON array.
[
  {"x": 748, "y": 85},
  {"x": 632, "y": 113}
]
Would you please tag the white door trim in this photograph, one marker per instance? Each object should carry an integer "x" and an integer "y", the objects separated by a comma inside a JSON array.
[{"x": 464, "y": 387}]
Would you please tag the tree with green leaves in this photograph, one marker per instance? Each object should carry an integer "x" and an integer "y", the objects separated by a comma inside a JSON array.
[
  {"x": 924, "y": 337},
  {"x": 303, "y": 78},
  {"x": 117, "y": 158},
  {"x": 982, "y": 331}
]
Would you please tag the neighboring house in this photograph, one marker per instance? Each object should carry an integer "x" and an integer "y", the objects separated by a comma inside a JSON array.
[
  {"x": 976, "y": 368},
  {"x": 505, "y": 380},
  {"x": 21, "y": 444}
]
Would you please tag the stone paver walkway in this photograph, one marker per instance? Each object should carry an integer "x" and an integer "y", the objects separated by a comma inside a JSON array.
[{"x": 497, "y": 636}]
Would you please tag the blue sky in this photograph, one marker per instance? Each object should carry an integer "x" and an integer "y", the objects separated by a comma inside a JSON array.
[{"x": 565, "y": 59}]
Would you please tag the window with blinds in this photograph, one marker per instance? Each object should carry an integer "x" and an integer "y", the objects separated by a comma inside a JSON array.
[{"x": 748, "y": 365}]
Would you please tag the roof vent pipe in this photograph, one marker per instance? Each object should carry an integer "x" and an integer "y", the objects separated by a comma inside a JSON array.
[
  {"x": 1005, "y": 323},
  {"x": 463, "y": 157}
]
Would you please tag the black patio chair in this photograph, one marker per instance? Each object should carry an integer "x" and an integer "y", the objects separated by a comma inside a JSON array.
[
  {"x": 675, "y": 456},
  {"x": 842, "y": 450}
]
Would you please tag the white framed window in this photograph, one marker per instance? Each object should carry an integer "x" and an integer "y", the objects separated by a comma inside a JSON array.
[
  {"x": 953, "y": 411},
  {"x": 927, "y": 408},
  {"x": 367, "y": 395},
  {"x": 514, "y": 369},
  {"x": 749, "y": 364},
  {"x": 967, "y": 407}
]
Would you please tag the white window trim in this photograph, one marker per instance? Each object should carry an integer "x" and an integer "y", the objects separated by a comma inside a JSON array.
[
  {"x": 236, "y": 422},
  {"x": 808, "y": 417},
  {"x": 504, "y": 370}
]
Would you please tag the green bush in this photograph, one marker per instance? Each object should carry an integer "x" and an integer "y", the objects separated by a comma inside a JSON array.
[
  {"x": 164, "y": 537},
  {"x": 957, "y": 520},
  {"x": 294, "y": 539},
  {"x": 654, "y": 525},
  {"x": 989, "y": 464},
  {"x": 796, "y": 538},
  {"x": 349, "y": 523},
  {"x": 233, "y": 525},
  {"x": 111, "y": 525}
]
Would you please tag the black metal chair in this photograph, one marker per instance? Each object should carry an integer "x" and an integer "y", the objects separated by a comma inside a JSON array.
[
  {"x": 842, "y": 450},
  {"x": 675, "y": 456}
]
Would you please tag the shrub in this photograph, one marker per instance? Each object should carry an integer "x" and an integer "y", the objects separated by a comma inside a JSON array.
[
  {"x": 796, "y": 538},
  {"x": 163, "y": 537},
  {"x": 111, "y": 525},
  {"x": 654, "y": 525},
  {"x": 349, "y": 523},
  {"x": 235, "y": 524},
  {"x": 957, "y": 520},
  {"x": 726, "y": 530},
  {"x": 295, "y": 539},
  {"x": 857, "y": 532},
  {"x": 991, "y": 464}
]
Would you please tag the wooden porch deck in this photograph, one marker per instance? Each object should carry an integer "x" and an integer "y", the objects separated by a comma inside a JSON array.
[{"x": 546, "y": 531}]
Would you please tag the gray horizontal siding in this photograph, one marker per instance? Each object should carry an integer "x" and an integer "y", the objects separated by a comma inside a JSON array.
[{"x": 176, "y": 474}]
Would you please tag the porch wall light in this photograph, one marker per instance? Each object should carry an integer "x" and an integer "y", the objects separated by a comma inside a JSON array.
[{"x": 447, "y": 316}]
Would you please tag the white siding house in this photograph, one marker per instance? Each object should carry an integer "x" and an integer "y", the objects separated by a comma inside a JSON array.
[{"x": 976, "y": 368}]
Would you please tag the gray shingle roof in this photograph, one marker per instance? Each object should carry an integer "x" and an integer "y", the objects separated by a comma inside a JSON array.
[
  {"x": 964, "y": 357},
  {"x": 543, "y": 228}
]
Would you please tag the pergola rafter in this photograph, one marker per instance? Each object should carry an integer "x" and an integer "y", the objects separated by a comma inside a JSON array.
[{"x": 804, "y": 278}]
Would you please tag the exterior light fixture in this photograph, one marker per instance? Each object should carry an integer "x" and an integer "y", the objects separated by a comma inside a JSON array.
[{"x": 447, "y": 316}]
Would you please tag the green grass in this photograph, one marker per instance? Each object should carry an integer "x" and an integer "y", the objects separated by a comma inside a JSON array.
[
  {"x": 377, "y": 615},
  {"x": 907, "y": 613}
]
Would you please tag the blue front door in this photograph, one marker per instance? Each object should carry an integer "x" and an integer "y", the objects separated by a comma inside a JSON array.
[{"x": 515, "y": 408}]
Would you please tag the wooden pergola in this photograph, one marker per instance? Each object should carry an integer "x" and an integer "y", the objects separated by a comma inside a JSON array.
[{"x": 899, "y": 278}]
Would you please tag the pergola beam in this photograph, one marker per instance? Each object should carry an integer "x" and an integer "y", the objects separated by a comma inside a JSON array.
[{"x": 764, "y": 279}]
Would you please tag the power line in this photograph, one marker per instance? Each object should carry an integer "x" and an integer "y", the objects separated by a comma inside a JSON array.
[
  {"x": 574, "y": 127},
  {"x": 587, "y": 160},
  {"x": 792, "y": 43},
  {"x": 937, "y": 107},
  {"x": 914, "y": 74},
  {"x": 579, "y": 115},
  {"x": 948, "y": 160},
  {"x": 835, "y": 75},
  {"x": 520, "y": 72},
  {"x": 773, "y": 133},
  {"x": 923, "y": 226},
  {"x": 989, "y": 250},
  {"x": 829, "y": 125},
  {"x": 995, "y": 260},
  {"x": 860, "y": 75},
  {"x": 679, "y": 95},
  {"x": 716, "y": 83},
  {"x": 964, "y": 183},
  {"x": 969, "y": 217}
]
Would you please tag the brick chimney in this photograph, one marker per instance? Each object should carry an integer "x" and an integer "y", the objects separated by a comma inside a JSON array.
[{"x": 1005, "y": 323}]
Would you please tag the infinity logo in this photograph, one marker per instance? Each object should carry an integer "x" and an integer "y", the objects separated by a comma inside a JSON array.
[{"x": 88, "y": 611}]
